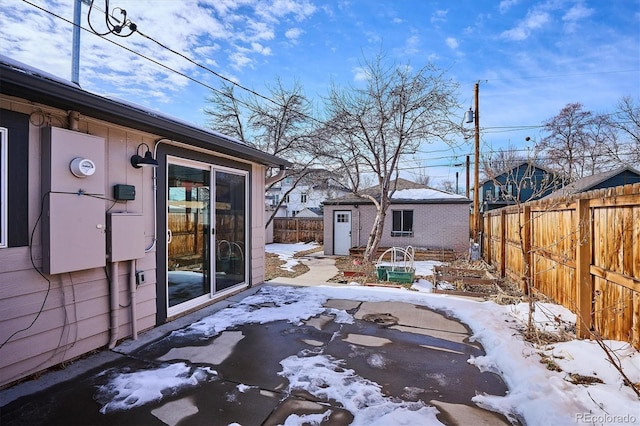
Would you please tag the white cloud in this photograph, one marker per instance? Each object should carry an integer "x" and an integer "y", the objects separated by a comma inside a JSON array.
[
  {"x": 452, "y": 43},
  {"x": 411, "y": 45},
  {"x": 535, "y": 19},
  {"x": 360, "y": 74},
  {"x": 275, "y": 9},
  {"x": 292, "y": 34},
  {"x": 577, "y": 13},
  {"x": 439, "y": 16},
  {"x": 239, "y": 59},
  {"x": 505, "y": 5},
  {"x": 259, "y": 48}
]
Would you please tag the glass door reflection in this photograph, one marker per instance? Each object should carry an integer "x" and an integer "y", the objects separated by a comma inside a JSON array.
[
  {"x": 230, "y": 219},
  {"x": 189, "y": 234}
]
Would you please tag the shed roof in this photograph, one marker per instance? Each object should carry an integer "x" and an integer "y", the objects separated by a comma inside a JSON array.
[
  {"x": 22, "y": 81},
  {"x": 407, "y": 192}
]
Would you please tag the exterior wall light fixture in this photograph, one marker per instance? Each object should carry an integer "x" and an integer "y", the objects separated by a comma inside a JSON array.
[{"x": 139, "y": 161}]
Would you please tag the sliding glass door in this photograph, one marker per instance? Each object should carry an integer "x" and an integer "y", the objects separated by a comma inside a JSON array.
[
  {"x": 204, "y": 259},
  {"x": 230, "y": 229}
]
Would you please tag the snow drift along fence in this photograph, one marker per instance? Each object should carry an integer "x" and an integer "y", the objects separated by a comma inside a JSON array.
[
  {"x": 298, "y": 230},
  {"x": 583, "y": 252}
]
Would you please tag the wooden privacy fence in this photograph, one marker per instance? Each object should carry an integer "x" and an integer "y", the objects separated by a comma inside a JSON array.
[
  {"x": 297, "y": 230},
  {"x": 582, "y": 251}
]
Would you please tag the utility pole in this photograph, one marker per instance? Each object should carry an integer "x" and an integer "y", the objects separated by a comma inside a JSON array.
[{"x": 476, "y": 161}]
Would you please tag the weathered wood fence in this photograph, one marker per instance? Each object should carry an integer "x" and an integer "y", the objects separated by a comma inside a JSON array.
[
  {"x": 582, "y": 251},
  {"x": 296, "y": 230}
]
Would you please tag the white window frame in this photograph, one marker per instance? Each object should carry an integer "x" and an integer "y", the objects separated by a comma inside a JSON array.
[{"x": 4, "y": 186}]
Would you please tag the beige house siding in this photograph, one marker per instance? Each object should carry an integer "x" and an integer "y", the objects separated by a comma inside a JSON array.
[
  {"x": 75, "y": 317},
  {"x": 435, "y": 225}
]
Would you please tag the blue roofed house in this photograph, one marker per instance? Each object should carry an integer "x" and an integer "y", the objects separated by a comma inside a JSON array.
[
  {"x": 524, "y": 182},
  {"x": 624, "y": 175}
]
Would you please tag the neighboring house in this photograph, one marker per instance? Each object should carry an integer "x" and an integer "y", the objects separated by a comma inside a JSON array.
[
  {"x": 310, "y": 212},
  {"x": 94, "y": 249},
  {"x": 418, "y": 216},
  {"x": 620, "y": 176},
  {"x": 313, "y": 189},
  {"x": 524, "y": 182}
]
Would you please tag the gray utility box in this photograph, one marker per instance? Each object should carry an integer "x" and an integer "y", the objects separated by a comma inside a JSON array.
[{"x": 125, "y": 236}]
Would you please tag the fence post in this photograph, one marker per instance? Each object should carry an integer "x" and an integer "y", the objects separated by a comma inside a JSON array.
[
  {"x": 503, "y": 243},
  {"x": 584, "y": 284},
  {"x": 526, "y": 245},
  {"x": 487, "y": 218}
]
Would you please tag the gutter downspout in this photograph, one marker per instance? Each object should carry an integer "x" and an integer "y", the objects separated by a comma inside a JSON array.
[
  {"x": 277, "y": 177},
  {"x": 113, "y": 301},
  {"x": 132, "y": 289}
]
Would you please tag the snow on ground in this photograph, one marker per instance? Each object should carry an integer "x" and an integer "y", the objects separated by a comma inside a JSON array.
[
  {"x": 286, "y": 251},
  {"x": 536, "y": 394}
]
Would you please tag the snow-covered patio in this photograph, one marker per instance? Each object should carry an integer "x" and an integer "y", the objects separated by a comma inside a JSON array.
[{"x": 350, "y": 355}]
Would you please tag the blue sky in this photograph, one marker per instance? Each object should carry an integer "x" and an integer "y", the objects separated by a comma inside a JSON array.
[{"x": 530, "y": 57}]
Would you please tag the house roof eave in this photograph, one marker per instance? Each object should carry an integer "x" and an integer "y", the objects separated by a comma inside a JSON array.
[{"x": 20, "y": 81}]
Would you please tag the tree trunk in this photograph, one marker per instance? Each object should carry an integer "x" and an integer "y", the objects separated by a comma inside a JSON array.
[{"x": 373, "y": 242}]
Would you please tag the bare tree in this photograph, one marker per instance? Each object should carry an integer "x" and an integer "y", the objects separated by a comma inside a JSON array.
[
  {"x": 566, "y": 140},
  {"x": 280, "y": 125},
  {"x": 421, "y": 177},
  {"x": 500, "y": 160},
  {"x": 582, "y": 143},
  {"x": 627, "y": 122},
  {"x": 373, "y": 126},
  {"x": 448, "y": 186}
]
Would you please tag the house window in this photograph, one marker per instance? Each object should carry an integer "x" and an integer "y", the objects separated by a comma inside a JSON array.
[
  {"x": 402, "y": 223},
  {"x": 342, "y": 218},
  {"x": 286, "y": 199},
  {"x": 303, "y": 198},
  {"x": 497, "y": 192},
  {"x": 4, "y": 175},
  {"x": 14, "y": 179}
]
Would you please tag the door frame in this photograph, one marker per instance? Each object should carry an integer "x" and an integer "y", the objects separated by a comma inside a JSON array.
[
  {"x": 169, "y": 153},
  {"x": 335, "y": 233}
]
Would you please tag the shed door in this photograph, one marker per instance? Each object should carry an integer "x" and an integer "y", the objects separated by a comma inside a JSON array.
[{"x": 341, "y": 232}]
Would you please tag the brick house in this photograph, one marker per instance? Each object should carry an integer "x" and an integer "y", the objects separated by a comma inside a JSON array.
[{"x": 419, "y": 216}]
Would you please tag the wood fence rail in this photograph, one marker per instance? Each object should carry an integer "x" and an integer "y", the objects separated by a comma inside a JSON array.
[
  {"x": 298, "y": 230},
  {"x": 582, "y": 251}
]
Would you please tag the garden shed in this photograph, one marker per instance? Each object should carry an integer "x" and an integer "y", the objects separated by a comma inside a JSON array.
[{"x": 419, "y": 216}]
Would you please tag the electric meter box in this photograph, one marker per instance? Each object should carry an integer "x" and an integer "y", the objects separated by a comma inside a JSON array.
[
  {"x": 73, "y": 161},
  {"x": 73, "y": 223},
  {"x": 125, "y": 236}
]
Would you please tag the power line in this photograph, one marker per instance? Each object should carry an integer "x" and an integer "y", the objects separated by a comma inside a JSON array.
[
  {"x": 496, "y": 129},
  {"x": 535, "y": 77}
]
